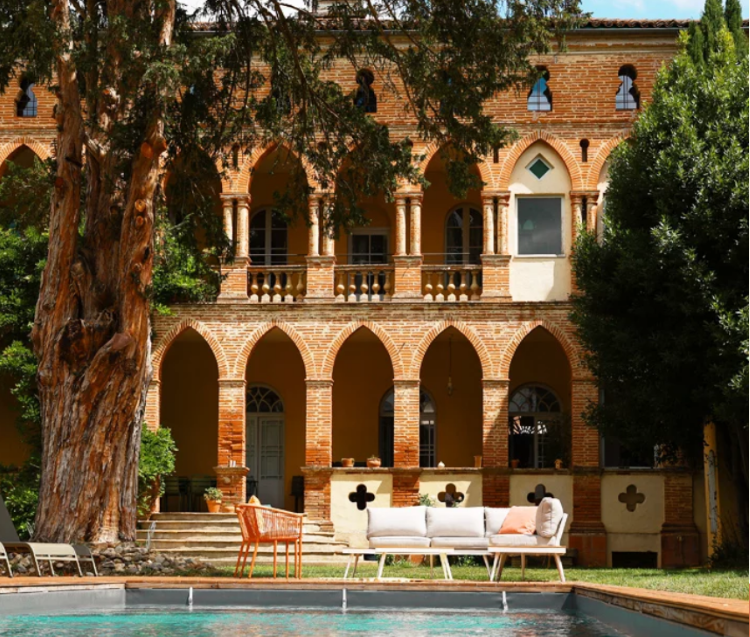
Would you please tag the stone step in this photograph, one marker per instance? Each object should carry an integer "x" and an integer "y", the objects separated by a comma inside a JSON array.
[
  {"x": 222, "y": 527},
  {"x": 234, "y": 540},
  {"x": 265, "y": 552},
  {"x": 309, "y": 546}
]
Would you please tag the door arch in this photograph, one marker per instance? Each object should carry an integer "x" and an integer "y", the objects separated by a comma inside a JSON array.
[
  {"x": 264, "y": 443},
  {"x": 427, "y": 426}
]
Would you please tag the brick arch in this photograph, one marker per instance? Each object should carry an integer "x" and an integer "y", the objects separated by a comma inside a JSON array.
[
  {"x": 7, "y": 149},
  {"x": 520, "y": 147},
  {"x": 577, "y": 367},
  {"x": 246, "y": 350},
  {"x": 326, "y": 369},
  {"x": 477, "y": 343},
  {"x": 602, "y": 155},
  {"x": 240, "y": 183},
  {"x": 164, "y": 343},
  {"x": 484, "y": 170}
]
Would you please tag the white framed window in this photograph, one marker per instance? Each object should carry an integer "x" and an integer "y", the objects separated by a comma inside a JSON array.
[
  {"x": 539, "y": 224},
  {"x": 368, "y": 246},
  {"x": 535, "y": 427},
  {"x": 464, "y": 229},
  {"x": 268, "y": 238}
]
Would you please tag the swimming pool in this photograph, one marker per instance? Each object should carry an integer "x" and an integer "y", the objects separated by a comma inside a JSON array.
[{"x": 284, "y": 623}]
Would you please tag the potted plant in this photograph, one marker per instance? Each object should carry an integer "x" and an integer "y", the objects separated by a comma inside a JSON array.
[
  {"x": 347, "y": 462},
  {"x": 514, "y": 463},
  {"x": 373, "y": 462},
  {"x": 213, "y": 499}
]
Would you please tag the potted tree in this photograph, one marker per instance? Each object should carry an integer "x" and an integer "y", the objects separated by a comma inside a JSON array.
[
  {"x": 213, "y": 499},
  {"x": 373, "y": 462}
]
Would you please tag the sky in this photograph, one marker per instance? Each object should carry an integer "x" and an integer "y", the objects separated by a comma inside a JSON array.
[{"x": 652, "y": 9}]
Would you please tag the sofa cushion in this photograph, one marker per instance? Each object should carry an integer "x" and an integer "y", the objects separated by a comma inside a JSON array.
[
  {"x": 514, "y": 539},
  {"x": 409, "y": 541},
  {"x": 548, "y": 516},
  {"x": 396, "y": 522},
  {"x": 478, "y": 543},
  {"x": 493, "y": 520},
  {"x": 520, "y": 520},
  {"x": 458, "y": 522}
]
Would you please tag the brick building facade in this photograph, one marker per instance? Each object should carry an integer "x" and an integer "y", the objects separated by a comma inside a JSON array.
[{"x": 421, "y": 337}]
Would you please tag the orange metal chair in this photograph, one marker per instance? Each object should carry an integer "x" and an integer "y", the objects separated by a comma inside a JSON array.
[{"x": 264, "y": 525}]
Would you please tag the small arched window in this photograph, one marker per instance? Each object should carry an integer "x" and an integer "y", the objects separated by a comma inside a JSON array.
[
  {"x": 26, "y": 103},
  {"x": 263, "y": 400},
  {"x": 464, "y": 228},
  {"x": 366, "y": 99},
  {"x": 540, "y": 97},
  {"x": 584, "y": 150},
  {"x": 628, "y": 97},
  {"x": 426, "y": 429},
  {"x": 268, "y": 238},
  {"x": 534, "y": 427}
]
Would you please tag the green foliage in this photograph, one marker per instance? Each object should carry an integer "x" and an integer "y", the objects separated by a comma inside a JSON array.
[
  {"x": 425, "y": 500},
  {"x": 663, "y": 303},
  {"x": 20, "y": 491},
  {"x": 705, "y": 37},
  {"x": 213, "y": 494},
  {"x": 733, "y": 18},
  {"x": 157, "y": 460}
]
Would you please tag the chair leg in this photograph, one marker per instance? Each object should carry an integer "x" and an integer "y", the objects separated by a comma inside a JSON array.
[
  {"x": 503, "y": 557},
  {"x": 252, "y": 564},
  {"x": 244, "y": 547},
  {"x": 300, "y": 559},
  {"x": 287, "y": 560},
  {"x": 275, "y": 549},
  {"x": 561, "y": 572},
  {"x": 244, "y": 559},
  {"x": 523, "y": 567}
]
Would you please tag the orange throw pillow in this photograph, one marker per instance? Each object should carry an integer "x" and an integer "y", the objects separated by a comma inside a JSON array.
[{"x": 519, "y": 521}]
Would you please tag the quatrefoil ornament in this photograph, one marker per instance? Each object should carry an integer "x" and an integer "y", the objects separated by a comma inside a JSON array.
[
  {"x": 361, "y": 497},
  {"x": 450, "y": 497},
  {"x": 631, "y": 498}
]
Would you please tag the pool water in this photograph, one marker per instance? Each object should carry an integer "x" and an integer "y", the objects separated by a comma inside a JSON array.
[{"x": 269, "y": 623}]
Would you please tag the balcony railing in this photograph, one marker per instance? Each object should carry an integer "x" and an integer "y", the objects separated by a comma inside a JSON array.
[
  {"x": 277, "y": 283},
  {"x": 451, "y": 283},
  {"x": 364, "y": 283}
]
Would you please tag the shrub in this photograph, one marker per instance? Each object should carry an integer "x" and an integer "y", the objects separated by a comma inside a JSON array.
[
  {"x": 157, "y": 460},
  {"x": 20, "y": 491}
]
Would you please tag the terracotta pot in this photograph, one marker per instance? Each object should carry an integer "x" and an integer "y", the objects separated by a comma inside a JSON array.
[
  {"x": 558, "y": 464},
  {"x": 514, "y": 464},
  {"x": 347, "y": 462},
  {"x": 478, "y": 461},
  {"x": 373, "y": 463},
  {"x": 214, "y": 506},
  {"x": 227, "y": 508}
]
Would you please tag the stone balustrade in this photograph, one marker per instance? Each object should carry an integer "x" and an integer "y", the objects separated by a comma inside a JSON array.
[
  {"x": 363, "y": 283},
  {"x": 276, "y": 284},
  {"x": 451, "y": 283}
]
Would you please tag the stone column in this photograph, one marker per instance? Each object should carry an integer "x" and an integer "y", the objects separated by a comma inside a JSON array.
[
  {"x": 313, "y": 241},
  {"x": 576, "y": 225},
  {"x": 400, "y": 226},
  {"x": 680, "y": 539},
  {"x": 592, "y": 204},
  {"x": 318, "y": 422},
  {"x": 587, "y": 532},
  {"x": 415, "y": 225},
  {"x": 406, "y": 423},
  {"x": 488, "y": 218},
  {"x": 231, "y": 467},
  {"x": 407, "y": 269},
  {"x": 227, "y": 203},
  {"x": 318, "y": 494},
  {"x": 496, "y": 478},
  {"x": 234, "y": 283},
  {"x": 495, "y": 267},
  {"x": 152, "y": 413},
  {"x": 320, "y": 267},
  {"x": 405, "y": 488}
]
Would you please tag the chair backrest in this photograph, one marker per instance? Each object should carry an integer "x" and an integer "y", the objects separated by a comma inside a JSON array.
[
  {"x": 264, "y": 524},
  {"x": 557, "y": 537},
  {"x": 8, "y": 531}
]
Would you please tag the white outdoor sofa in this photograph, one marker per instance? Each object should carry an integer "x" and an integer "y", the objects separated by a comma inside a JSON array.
[{"x": 461, "y": 531}]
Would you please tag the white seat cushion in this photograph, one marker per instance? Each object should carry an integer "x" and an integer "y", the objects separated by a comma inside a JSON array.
[
  {"x": 493, "y": 520},
  {"x": 455, "y": 522},
  {"x": 514, "y": 539},
  {"x": 477, "y": 543},
  {"x": 549, "y": 513},
  {"x": 396, "y": 522},
  {"x": 408, "y": 541}
]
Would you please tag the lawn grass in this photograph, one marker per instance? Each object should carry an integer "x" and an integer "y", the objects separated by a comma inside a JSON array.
[{"x": 698, "y": 581}]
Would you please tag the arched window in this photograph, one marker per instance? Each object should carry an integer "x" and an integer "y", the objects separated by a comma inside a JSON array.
[
  {"x": 263, "y": 400},
  {"x": 464, "y": 228},
  {"x": 536, "y": 436},
  {"x": 26, "y": 103},
  {"x": 540, "y": 97},
  {"x": 366, "y": 99},
  {"x": 426, "y": 429},
  {"x": 628, "y": 97},
  {"x": 584, "y": 150},
  {"x": 268, "y": 238}
]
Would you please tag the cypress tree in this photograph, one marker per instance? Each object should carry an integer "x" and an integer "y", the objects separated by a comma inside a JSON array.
[
  {"x": 712, "y": 22},
  {"x": 695, "y": 46},
  {"x": 733, "y": 18}
]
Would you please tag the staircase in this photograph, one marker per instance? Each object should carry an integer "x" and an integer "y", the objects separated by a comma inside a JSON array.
[{"x": 216, "y": 538}]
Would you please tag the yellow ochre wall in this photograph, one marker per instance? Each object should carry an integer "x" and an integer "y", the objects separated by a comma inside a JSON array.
[
  {"x": 190, "y": 404},
  {"x": 276, "y": 363}
]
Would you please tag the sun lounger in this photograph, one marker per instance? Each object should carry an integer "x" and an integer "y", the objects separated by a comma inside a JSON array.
[{"x": 4, "y": 560}]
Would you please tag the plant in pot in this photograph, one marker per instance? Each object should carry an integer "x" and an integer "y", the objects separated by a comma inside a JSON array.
[
  {"x": 213, "y": 499},
  {"x": 347, "y": 462},
  {"x": 373, "y": 462}
]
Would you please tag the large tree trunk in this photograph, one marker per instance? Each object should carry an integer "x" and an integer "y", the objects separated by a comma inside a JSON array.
[{"x": 91, "y": 332}]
